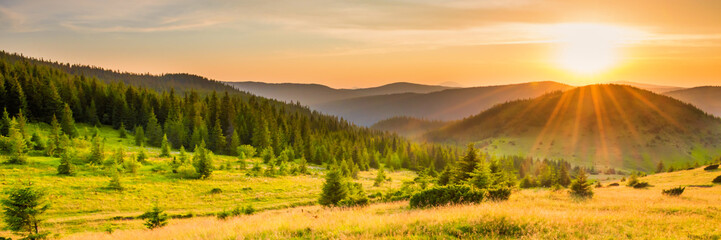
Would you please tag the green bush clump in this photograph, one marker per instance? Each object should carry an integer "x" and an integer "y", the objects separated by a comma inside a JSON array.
[
  {"x": 673, "y": 191},
  {"x": 641, "y": 185},
  {"x": 454, "y": 194}
]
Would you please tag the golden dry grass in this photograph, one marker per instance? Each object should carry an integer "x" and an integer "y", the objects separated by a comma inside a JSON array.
[{"x": 613, "y": 213}]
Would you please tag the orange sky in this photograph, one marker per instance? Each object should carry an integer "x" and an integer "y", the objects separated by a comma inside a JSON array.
[{"x": 367, "y": 43}]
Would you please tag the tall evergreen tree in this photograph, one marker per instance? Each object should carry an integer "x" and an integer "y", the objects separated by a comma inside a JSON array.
[
  {"x": 139, "y": 136},
  {"x": 165, "y": 147},
  {"x": 261, "y": 135},
  {"x": 218, "y": 139},
  {"x": 466, "y": 165},
  {"x": 481, "y": 176},
  {"x": 203, "y": 161},
  {"x": 66, "y": 166},
  {"x": 581, "y": 187},
  {"x": 22, "y": 211},
  {"x": 68, "y": 122},
  {"x": 5, "y": 123},
  {"x": 17, "y": 145},
  {"x": 153, "y": 131},
  {"x": 334, "y": 189},
  {"x": 97, "y": 151}
]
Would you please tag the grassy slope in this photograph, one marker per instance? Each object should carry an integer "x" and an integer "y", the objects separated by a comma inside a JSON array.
[
  {"x": 600, "y": 125},
  {"x": 614, "y": 213},
  {"x": 81, "y": 202}
]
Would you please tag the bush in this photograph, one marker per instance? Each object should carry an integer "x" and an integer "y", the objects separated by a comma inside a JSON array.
[
  {"x": 216, "y": 191},
  {"x": 614, "y": 185},
  {"x": 717, "y": 179},
  {"x": 499, "y": 194},
  {"x": 454, "y": 194},
  {"x": 155, "y": 218},
  {"x": 673, "y": 191},
  {"x": 187, "y": 171},
  {"x": 641, "y": 185},
  {"x": 711, "y": 167}
]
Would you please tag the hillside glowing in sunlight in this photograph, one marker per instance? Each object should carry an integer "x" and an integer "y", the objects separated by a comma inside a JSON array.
[{"x": 586, "y": 48}]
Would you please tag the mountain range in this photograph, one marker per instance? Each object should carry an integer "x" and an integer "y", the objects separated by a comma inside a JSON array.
[{"x": 597, "y": 125}]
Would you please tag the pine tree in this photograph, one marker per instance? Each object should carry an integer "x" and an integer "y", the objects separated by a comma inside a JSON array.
[
  {"x": 481, "y": 177},
  {"x": 165, "y": 147},
  {"x": 466, "y": 165},
  {"x": 22, "y": 210},
  {"x": 67, "y": 122},
  {"x": 17, "y": 145},
  {"x": 5, "y": 124},
  {"x": 660, "y": 168},
  {"x": 66, "y": 166},
  {"x": 445, "y": 177},
  {"x": 563, "y": 177},
  {"x": 155, "y": 218},
  {"x": 334, "y": 189},
  {"x": 218, "y": 139},
  {"x": 55, "y": 136},
  {"x": 122, "y": 132},
  {"x": 153, "y": 131},
  {"x": 203, "y": 161},
  {"x": 581, "y": 187},
  {"x": 139, "y": 136},
  {"x": 21, "y": 124},
  {"x": 115, "y": 183},
  {"x": 93, "y": 114},
  {"x": 261, "y": 135},
  {"x": 97, "y": 152},
  {"x": 234, "y": 144},
  {"x": 380, "y": 177}
]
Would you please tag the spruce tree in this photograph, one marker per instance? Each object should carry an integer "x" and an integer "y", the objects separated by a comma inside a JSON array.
[
  {"x": 55, "y": 136},
  {"x": 563, "y": 178},
  {"x": 153, "y": 131},
  {"x": 139, "y": 136},
  {"x": 234, "y": 144},
  {"x": 334, "y": 189},
  {"x": 155, "y": 218},
  {"x": 115, "y": 183},
  {"x": 17, "y": 145},
  {"x": 218, "y": 139},
  {"x": 165, "y": 147},
  {"x": 380, "y": 177},
  {"x": 261, "y": 135},
  {"x": 5, "y": 123},
  {"x": 21, "y": 124},
  {"x": 22, "y": 211},
  {"x": 97, "y": 151},
  {"x": 466, "y": 165},
  {"x": 481, "y": 177},
  {"x": 203, "y": 161},
  {"x": 122, "y": 132},
  {"x": 66, "y": 166},
  {"x": 67, "y": 122},
  {"x": 581, "y": 187},
  {"x": 445, "y": 177}
]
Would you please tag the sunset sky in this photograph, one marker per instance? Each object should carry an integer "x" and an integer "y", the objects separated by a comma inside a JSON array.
[{"x": 362, "y": 43}]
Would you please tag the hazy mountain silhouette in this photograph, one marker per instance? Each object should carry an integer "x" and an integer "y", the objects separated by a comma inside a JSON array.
[
  {"x": 446, "y": 105},
  {"x": 408, "y": 126},
  {"x": 707, "y": 98},
  {"x": 313, "y": 94},
  {"x": 601, "y": 125},
  {"x": 650, "y": 87}
]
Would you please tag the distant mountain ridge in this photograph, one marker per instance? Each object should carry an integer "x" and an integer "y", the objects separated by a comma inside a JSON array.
[
  {"x": 313, "y": 94},
  {"x": 599, "y": 125},
  {"x": 445, "y": 105},
  {"x": 650, "y": 87},
  {"x": 706, "y": 98}
]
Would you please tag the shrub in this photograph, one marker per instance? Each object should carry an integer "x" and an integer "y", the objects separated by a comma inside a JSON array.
[
  {"x": 711, "y": 167},
  {"x": 356, "y": 196},
  {"x": 23, "y": 210},
  {"x": 499, "y": 194},
  {"x": 614, "y": 185},
  {"x": 673, "y": 191},
  {"x": 641, "y": 185},
  {"x": 187, "y": 171},
  {"x": 454, "y": 194},
  {"x": 155, "y": 218},
  {"x": 216, "y": 191},
  {"x": 717, "y": 179}
]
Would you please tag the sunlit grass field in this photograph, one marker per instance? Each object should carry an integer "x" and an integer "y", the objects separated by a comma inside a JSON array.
[
  {"x": 614, "y": 213},
  {"x": 82, "y": 202}
]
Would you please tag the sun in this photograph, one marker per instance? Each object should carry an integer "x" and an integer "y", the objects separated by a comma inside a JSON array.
[{"x": 588, "y": 48}]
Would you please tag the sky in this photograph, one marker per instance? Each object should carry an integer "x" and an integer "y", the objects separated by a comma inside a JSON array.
[{"x": 363, "y": 43}]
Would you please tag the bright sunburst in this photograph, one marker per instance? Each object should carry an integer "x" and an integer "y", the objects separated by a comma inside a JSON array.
[{"x": 587, "y": 48}]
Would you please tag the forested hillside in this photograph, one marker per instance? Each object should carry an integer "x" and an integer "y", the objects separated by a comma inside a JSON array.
[
  {"x": 222, "y": 120},
  {"x": 165, "y": 82},
  {"x": 707, "y": 98},
  {"x": 606, "y": 126}
]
